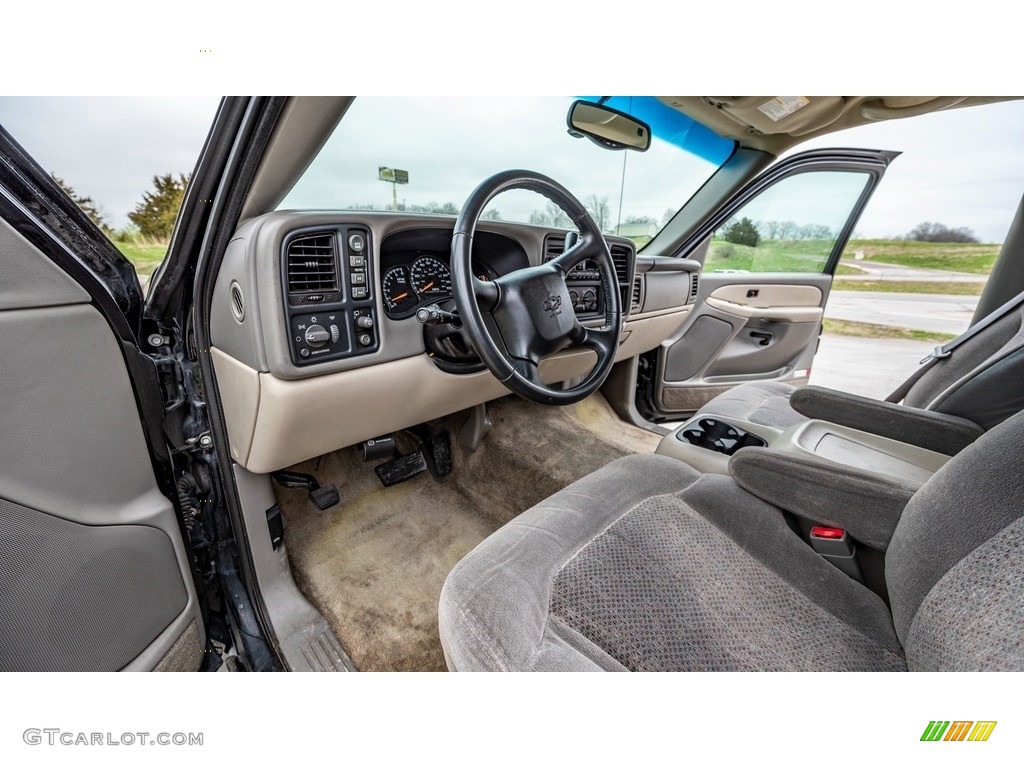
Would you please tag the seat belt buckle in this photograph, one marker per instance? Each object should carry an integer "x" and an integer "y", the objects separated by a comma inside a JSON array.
[
  {"x": 836, "y": 546},
  {"x": 939, "y": 353}
]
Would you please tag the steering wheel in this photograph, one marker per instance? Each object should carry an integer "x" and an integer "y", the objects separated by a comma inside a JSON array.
[{"x": 518, "y": 319}]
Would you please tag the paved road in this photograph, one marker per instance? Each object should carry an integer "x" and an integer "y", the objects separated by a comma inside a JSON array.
[
  {"x": 874, "y": 270},
  {"x": 869, "y": 367},
  {"x": 922, "y": 311}
]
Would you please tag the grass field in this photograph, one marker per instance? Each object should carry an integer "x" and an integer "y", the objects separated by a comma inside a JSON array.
[
  {"x": 768, "y": 256},
  {"x": 146, "y": 258},
  {"x": 905, "y": 286},
  {"x": 975, "y": 258},
  {"x": 810, "y": 255},
  {"x": 873, "y": 331}
]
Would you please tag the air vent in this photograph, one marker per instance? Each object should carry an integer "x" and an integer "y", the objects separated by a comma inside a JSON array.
[
  {"x": 636, "y": 297},
  {"x": 694, "y": 286},
  {"x": 312, "y": 267},
  {"x": 553, "y": 246},
  {"x": 620, "y": 257},
  {"x": 237, "y": 302}
]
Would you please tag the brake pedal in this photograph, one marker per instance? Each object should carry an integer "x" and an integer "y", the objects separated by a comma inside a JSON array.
[
  {"x": 323, "y": 497},
  {"x": 401, "y": 469}
]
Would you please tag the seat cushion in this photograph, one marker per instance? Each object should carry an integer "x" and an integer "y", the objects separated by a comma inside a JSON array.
[
  {"x": 765, "y": 403},
  {"x": 648, "y": 565}
]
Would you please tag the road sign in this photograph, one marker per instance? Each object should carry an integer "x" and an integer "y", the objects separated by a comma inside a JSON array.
[{"x": 394, "y": 175}]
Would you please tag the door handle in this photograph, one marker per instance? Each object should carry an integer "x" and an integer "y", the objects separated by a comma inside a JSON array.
[{"x": 763, "y": 337}]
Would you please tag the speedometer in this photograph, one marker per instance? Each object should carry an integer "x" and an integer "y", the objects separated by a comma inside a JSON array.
[
  {"x": 399, "y": 295},
  {"x": 431, "y": 278}
]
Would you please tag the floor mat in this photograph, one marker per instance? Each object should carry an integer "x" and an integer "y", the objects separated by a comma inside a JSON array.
[{"x": 375, "y": 564}]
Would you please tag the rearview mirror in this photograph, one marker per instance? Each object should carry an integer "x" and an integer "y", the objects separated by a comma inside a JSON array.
[{"x": 608, "y": 127}]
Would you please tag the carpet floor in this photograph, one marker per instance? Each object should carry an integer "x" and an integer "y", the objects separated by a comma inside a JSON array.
[{"x": 375, "y": 564}]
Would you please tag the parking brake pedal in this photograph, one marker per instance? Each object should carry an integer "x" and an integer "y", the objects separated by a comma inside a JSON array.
[{"x": 323, "y": 498}]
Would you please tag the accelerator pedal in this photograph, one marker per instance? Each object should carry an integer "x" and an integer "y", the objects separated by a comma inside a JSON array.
[{"x": 324, "y": 498}]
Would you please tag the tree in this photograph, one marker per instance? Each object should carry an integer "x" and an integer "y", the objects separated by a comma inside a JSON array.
[
  {"x": 599, "y": 211},
  {"x": 89, "y": 208},
  {"x": 155, "y": 215},
  {"x": 491, "y": 213},
  {"x": 550, "y": 216},
  {"x": 742, "y": 232},
  {"x": 640, "y": 220},
  {"x": 933, "y": 232}
]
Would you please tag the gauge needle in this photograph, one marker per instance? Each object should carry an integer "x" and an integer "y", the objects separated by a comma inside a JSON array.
[
  {"x": 428, "y": 286},
  {"x": 400, "y": 296}
]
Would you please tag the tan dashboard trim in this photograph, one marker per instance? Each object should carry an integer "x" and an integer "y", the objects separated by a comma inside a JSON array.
[
  {"x": 645, "y": 333},
  {"x": 239, "y": 386},
  {"x": 784, "y": 314},
  {"x": 298, "y": 420},
  {"x": 769, "y": 295},
  {"x": 274, "y": 423}
]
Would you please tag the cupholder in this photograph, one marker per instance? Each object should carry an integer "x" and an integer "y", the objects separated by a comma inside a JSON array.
[{"x": 717, "y": 435}]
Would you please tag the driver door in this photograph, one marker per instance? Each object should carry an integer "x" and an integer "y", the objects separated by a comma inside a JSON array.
[
  {"x": 94, "y": 569},
  {"x": 769, "y": 256}
]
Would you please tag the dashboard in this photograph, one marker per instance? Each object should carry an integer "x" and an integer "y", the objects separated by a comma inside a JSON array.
[{"x": 315, "y": 340}]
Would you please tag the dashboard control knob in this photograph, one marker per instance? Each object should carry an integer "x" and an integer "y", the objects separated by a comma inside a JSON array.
[
  {"x": 365, "y": 339},
  {"x": 589, "y": 299},
  {"x": 335, "y": 334},
  {"x": 365, "y": 321},
  {"x": 317, "y": 336},
  {"x": 356, "y": 242}
]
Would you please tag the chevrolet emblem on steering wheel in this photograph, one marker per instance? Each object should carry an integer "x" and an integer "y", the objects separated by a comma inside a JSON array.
[{"x": 553, "y": 305}]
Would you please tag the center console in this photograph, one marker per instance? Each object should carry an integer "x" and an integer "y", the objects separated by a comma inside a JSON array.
[{"x": 706, "y": 442}]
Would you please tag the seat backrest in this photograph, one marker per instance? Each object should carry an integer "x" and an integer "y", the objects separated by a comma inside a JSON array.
[
  {"x": 982, "y": 379},
  {"x": 955, "y": 565}
]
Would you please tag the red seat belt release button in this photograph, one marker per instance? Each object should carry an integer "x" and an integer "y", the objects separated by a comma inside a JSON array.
[{"x": 827, "y": 532}]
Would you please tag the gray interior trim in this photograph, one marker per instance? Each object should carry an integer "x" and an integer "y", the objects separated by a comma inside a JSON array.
[
  {"x": 305, "y": 125},
  {"x": 79, "y": 597},
  {"x": 304, "y": 638},
  {"x": 73, "y": 446},
  {"x": 27, "y": 279},
  {"x": 260, "y": 340},
  {"x": 741, "y": 167},
  {"x": 1007, "y": 277},
  {"x": 927, "y": 429}
]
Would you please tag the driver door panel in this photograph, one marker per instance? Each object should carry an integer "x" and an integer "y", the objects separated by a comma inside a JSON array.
[{"x": 94, "y": 574}]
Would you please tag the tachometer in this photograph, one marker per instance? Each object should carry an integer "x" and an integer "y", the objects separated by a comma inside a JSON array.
[
  {"x": 431, "y": 278},
  {"x": 399, "y": 295}
]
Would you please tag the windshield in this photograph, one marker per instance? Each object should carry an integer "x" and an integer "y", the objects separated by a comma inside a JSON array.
[{"x": 442, "y": 148}]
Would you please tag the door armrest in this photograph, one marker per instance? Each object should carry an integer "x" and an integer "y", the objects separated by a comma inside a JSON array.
[{"x": 934, "y": 431}]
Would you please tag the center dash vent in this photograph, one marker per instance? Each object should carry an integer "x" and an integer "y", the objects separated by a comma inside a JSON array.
[
  {"x": 620, "y": 257},
  {"x": 694, "y": 286},
  {"x": 553, "y": 246},
  {"x": 636, "y": 298},
  {"x": 312, "y": 264}
]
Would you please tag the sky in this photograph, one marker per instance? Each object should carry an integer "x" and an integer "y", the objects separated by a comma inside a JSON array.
[{"x": 962, "y": 167}]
